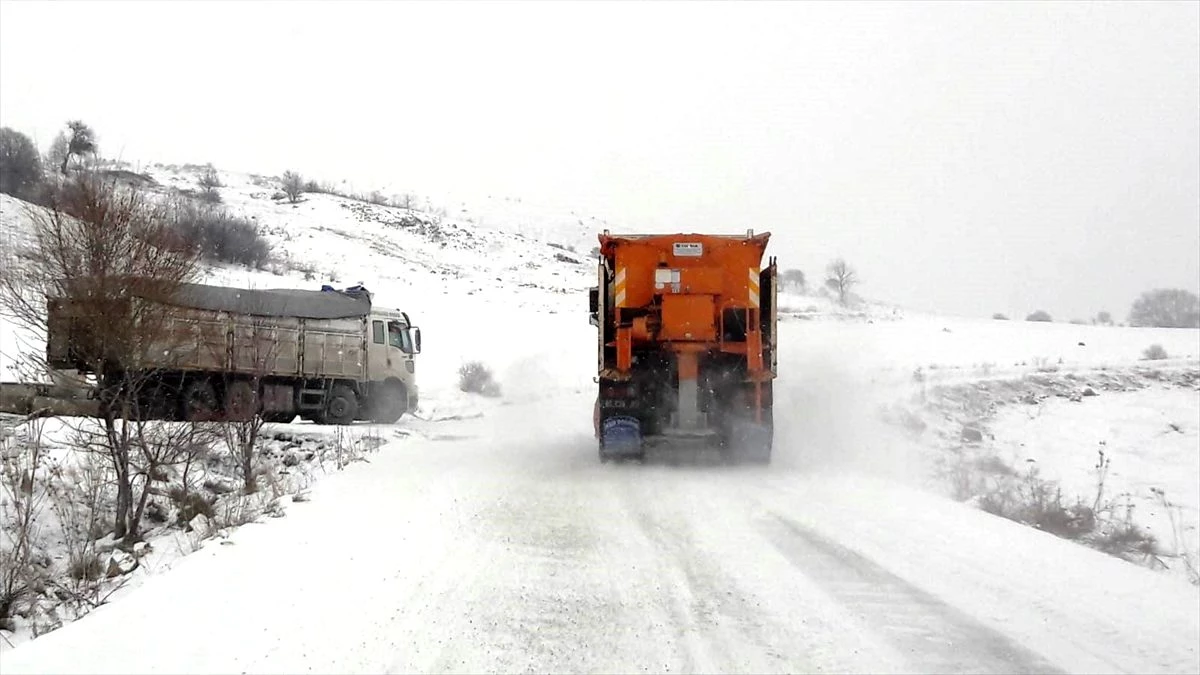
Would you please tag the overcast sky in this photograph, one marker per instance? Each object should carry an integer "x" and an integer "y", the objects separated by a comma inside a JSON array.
[{"x": 967, "y": 158}]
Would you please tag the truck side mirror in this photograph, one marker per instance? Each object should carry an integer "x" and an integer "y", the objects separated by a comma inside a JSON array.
[{"x": 417, "y": 340}]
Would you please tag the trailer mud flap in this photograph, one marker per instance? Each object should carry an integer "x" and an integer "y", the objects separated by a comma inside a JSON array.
[
  {"x": 620, "y": 436},
  {"x": 750, "y": 442}
]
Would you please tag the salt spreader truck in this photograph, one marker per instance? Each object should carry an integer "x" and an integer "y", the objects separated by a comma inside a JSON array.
[{"x": 687, "y": 344}]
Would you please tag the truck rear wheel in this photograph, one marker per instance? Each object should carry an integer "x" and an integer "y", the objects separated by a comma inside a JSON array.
[
  {"x": 389, "y": 403},
  {"x": 198, "y": 402},
  {"x": 341, "y": 406},
  {"x": 241, "y": 402}
]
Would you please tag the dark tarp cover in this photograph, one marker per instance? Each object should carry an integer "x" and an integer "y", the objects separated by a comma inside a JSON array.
[{"x": 274, "y": 302}]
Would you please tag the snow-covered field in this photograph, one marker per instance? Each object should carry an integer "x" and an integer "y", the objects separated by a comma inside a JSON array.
[
  {"x": 1150, "y": 461},
  {"x": 486, "y": 536}
]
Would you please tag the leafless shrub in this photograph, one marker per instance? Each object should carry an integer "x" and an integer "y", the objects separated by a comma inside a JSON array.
[
  {"x": 159, "y": 446},
  {"x": 81, "y": 503},
  {"x": 1040, "y": 315},
  {"x": 293, "y": 185},
  {"x": 235, "y": 510},
  {"x": 999, "y": 317},
  {"x": 210, "y": 184},
  {"x": 190, "y": 503},
  {"x": 1154, "y": 352},
  {"x": 218, "y": 236},
  {"x": 1188, "y": 555},
  {"x": 475, "y": 378},
  {"x": 1031, "y": 500},
  {"x": 306, "y": 269},
  {"x": 22, "y": 497},
  {"x": 407, "y": 201},
  {"x": 1117, "y": 534}
]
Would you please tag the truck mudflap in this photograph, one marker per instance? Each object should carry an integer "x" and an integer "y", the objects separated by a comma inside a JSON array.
[
  {"x": 620, "y": 436},
  {"x": 749, "y": 442}
]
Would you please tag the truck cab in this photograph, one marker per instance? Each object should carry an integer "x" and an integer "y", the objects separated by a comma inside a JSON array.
[{"x": 391, "y": 365}]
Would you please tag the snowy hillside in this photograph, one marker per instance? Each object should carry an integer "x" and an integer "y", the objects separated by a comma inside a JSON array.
[{"x": 484, "y": 535}]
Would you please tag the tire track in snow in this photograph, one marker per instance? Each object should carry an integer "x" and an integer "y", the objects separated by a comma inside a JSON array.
[
  {"x": 734, "y": 603},
  {"x": 938, "y": 636},
  {"x": 712, "y": 625}
]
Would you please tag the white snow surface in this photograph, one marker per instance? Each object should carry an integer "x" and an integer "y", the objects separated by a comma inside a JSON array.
[
  {"x": 1151, "y": 444},
  {"x": 509, "y": 548},
  {"x": 488, "y": 538}
]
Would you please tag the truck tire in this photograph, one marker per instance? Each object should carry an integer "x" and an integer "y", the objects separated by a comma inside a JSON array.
[
  {"x": 278, "y": 417},
  {"x": 389, "y": 403},
  {"x": 198, "y": 402},
  {"x": 241, "y": 402},
  {"x": 341, "y": 406}
]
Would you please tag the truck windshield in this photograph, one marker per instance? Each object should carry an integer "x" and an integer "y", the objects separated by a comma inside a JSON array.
[{"x": 398, "y": 337}]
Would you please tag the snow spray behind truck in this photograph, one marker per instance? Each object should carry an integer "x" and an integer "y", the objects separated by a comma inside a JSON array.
[
  {"x": 328, "y": 356},
  {"x": 686, "y": 328}
]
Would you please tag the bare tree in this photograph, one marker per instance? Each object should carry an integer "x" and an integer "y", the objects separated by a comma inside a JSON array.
[
  {"x": 209, "y": 183},
  {"x": 409, "y": 201},
  {"x": 56, "y": 155},
  {"x": 20, "y": 164},
  {"x": 1166, "y": 308},
  {"x": 841, "y": 279},
  {"x": 97, "y": 251},
  {"x": 293, "y": 185},
  {"x": 81, "y": 140},
  {"x": 1104, "y": 319}
]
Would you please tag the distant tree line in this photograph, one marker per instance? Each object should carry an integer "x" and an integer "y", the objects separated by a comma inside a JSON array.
[{"x": 1157, "y": 308}]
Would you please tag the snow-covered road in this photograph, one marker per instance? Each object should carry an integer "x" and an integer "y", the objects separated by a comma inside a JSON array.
[{"x": 501, "y": 544}]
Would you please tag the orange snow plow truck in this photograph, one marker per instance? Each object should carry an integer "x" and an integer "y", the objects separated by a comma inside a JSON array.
[{"x": 687, "y": 345}]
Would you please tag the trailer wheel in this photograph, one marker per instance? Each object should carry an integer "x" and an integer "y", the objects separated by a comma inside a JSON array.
[
  {"x": 241, "y": 403},
  {"x": 198, "y": 402},
  {"x": 389, "y": 404},
  {"x": 341, "y": 406}
]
